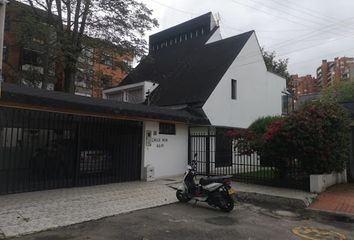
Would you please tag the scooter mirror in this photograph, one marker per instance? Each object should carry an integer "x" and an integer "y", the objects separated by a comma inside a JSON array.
[{"x": 195, "y": 154}]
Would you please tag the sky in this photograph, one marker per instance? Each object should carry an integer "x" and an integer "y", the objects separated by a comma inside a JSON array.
[{"x": 304, "y": 31}]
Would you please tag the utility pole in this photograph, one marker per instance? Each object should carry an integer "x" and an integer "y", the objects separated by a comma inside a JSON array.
[{"x": 2, "y": 30}]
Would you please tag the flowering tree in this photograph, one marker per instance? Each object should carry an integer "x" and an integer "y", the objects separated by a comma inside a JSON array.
[{"x": 314, "y": 139}]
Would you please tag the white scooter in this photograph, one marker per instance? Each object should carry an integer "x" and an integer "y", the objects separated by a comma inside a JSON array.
[{"x": 216, "y": 191}]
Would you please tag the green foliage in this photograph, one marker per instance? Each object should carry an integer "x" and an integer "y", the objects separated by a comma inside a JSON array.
[
  {"x": 339, "y": 92},
  {"x": 121, "y": 23},
  {"x": 277, "y": 66},
  {"x": 261, "y": 124},
  {"x": 316, "y": 137}
]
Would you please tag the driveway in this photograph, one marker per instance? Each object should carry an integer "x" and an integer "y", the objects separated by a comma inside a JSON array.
[
  {"x": 37, "y": 211},
  {"x": 187, "y": 222}
]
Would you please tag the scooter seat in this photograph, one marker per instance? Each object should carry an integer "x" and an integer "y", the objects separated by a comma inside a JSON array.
[{"x": 207, "y": 181}]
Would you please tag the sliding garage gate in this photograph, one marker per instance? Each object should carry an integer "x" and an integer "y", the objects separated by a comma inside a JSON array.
[{"x": 45, "y": 150}]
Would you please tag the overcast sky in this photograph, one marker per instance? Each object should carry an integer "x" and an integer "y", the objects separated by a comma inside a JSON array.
[{"x": 305, "y": 31}]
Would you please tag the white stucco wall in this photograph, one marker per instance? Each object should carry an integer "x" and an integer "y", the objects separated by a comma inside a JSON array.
[
  {"x": 258, "y": 91},
  {"x": 168, "y": 154},
  {"x": 215, "y": 37}
]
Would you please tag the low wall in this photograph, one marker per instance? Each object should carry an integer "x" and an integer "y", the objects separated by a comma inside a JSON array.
[{"x": 320, "y": 182}]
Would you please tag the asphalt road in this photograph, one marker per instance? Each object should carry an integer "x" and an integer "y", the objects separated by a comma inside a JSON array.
[{"x": 186, "y": 221}]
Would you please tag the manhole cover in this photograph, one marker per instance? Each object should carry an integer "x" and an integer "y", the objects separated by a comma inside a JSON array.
[{"x": 313, "y": 233}]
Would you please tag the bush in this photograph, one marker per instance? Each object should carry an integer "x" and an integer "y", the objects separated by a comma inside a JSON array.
[
  {"x": 314, "y": 139},
  {"x": 317, "y": 137},
  {"x": 261, "y": 124}
]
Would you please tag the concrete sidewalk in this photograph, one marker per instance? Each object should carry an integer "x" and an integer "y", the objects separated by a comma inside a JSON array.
[
  {"x": 37, "y": 211},
  {"x": 253, "y": 193},
  {"x": 338, "y": 199},
  {"x": 282, "y": 197}
]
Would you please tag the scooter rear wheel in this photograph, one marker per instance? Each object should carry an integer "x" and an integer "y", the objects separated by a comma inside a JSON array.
[
  {"x": 228, "y": 205},
  {"x": 182, "y": 197}
]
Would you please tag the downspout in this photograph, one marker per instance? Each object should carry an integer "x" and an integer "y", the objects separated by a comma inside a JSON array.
[{"x": 2, "y": 30}]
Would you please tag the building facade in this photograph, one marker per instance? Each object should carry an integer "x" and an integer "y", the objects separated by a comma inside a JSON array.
[
  {"x": 331, "y": 72},
  {"x": 30, "y": 58},
  {"x": 304, "y": 85}
]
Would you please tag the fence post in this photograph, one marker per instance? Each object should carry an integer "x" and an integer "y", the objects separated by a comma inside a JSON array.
[
  {"x": 207, "y": 153},
  {"x": 189, "y": 145},
  {"x": 77, "y": 151}
]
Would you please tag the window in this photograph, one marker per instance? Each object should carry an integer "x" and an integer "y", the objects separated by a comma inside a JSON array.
[
  {"x": 31, "y": 57},
  {"x": 167, "y": 128},
  {"x": 5, "y": 54},
  {"x": 285, "y": 104},
  {"x": 233, "y": 89},
  {"x": 106, "y": 60},
  {"x": 106, "y": 81}
]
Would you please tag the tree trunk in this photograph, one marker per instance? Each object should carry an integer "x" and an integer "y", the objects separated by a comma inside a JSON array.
[{"x": 69, "y": 77}]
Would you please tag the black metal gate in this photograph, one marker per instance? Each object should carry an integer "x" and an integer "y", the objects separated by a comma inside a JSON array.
[
  {"x": 214, "y": 153},
  {"x": 43, "y": 150},
  {"x": 351, "y": 162}
]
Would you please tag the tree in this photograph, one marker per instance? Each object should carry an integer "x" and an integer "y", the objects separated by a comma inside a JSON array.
[
  {"x": 40, "y": 40},
  {"x": 120, "y": 22},
  {"x": 277, "y": 66},
  {"x": 339, "y": 92}
]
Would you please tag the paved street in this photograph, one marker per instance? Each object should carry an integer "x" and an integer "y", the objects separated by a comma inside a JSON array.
[{"x": 185, "y": 221}]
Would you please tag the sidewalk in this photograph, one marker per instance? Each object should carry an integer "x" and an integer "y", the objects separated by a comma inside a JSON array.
[
  {"x": 261, "y": 194},
  {"x": 31, "y": 212},
  {"x": 338, "y": 199},
  {"x": 282, "y": 197}
]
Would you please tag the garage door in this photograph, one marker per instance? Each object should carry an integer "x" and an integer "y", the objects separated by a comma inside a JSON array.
[{"x": 41, "y": 150}]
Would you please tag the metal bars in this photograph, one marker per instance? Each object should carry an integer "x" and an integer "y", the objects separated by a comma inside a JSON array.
[
  {"x": 214, "y": 153},
  {"x": 44, "y": 150}
]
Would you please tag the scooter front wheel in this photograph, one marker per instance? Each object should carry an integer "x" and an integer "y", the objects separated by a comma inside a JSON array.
[{"x": 182, "y": 197}]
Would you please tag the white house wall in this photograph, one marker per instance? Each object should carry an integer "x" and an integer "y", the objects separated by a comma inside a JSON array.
[
  {"x": 168, "y": 154},
  {"x": 258, "y": 91}
]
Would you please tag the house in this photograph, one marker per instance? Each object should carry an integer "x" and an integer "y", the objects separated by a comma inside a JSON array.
[
  {"x": 191, "y": 67},
  {"x": 180, "y": 100},
  {"x": 30, "y": 59}
]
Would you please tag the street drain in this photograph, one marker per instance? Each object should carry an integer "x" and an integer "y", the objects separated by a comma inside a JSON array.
[
  {"x": 283, "y": 213},
  {"x": 313, "y": 233}
]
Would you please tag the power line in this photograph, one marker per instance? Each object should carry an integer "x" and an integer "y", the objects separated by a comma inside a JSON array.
[{"x": 173, "y": 8}]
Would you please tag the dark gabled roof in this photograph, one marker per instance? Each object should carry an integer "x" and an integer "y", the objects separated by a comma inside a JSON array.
[
  {"x": 25, "y": 96},
  {"x": 188, "y": 73},
  {"x": 350, "y": 107},
  {"x": 203, "y": 21}
]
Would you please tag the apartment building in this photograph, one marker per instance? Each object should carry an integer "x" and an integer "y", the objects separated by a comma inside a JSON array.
[
  {"x": 304, "y": 85},
  {"x": 331, "y": 72},
  {"x": 32, "y": 60}
]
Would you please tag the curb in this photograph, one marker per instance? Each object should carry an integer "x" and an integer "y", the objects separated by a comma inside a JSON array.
[
  {"x": 258, "y": 198},
  {"x": 338, "y": 216}
]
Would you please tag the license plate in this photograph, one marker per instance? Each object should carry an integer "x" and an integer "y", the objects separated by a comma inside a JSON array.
[{"x": 232, "y": 191}]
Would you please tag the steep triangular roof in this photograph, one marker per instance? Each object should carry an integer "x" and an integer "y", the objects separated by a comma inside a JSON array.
[{"x": 187, "y": 73}]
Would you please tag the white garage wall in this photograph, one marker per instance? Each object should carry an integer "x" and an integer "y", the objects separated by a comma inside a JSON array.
[
  {"x": 258, "y": 91},
  {"x": 168, "y": 154}
]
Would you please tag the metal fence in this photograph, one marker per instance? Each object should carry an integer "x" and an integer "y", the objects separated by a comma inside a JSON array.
[
  {"x": 44, "y": 150},
  {"x": 214, "y": 153}
]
